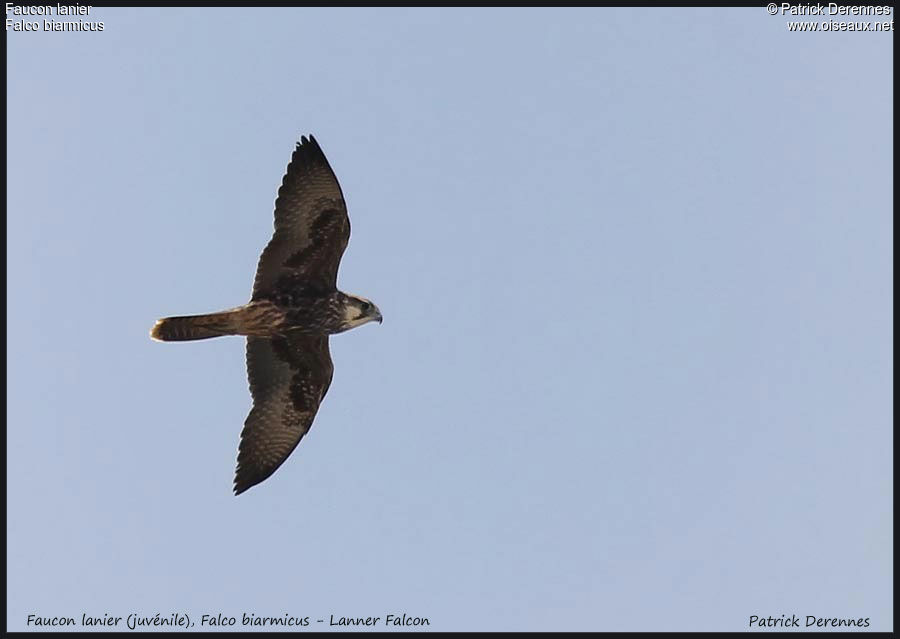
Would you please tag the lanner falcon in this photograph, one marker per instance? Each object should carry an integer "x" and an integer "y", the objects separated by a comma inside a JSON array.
[{"x": 295, "y": 306}]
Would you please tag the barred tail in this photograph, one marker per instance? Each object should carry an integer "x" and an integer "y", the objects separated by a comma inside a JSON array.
[{"x": 180, "y": 329}]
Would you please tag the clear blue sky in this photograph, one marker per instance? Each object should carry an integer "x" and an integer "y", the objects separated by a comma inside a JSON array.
[{"x": 635, "y": 266}]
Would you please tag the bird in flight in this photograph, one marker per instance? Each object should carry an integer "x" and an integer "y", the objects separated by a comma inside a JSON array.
[{"x": 294, "y": 307}]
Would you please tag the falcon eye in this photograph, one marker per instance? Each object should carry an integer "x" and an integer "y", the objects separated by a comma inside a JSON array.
[{"x": 366, "y": 306}]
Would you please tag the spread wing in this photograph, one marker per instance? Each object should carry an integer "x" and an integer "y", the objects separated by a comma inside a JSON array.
[
  {"x": 289, "y": 376},
  {"x": 311, "y": 227}
]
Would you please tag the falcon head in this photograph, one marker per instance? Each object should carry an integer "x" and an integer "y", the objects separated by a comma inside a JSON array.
[{"x": 359, "y": 311}]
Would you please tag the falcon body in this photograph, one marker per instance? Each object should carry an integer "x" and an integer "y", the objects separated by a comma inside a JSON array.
[{"x": 294, "y": 307}]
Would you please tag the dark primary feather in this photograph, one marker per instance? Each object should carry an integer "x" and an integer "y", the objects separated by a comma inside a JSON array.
[
  {"x": 288, "y": 376},
  {"x": 311, "y": 227}
]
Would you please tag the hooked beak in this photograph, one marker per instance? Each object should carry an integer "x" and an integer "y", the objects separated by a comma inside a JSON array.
[{"x": 377, "y": 316}]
